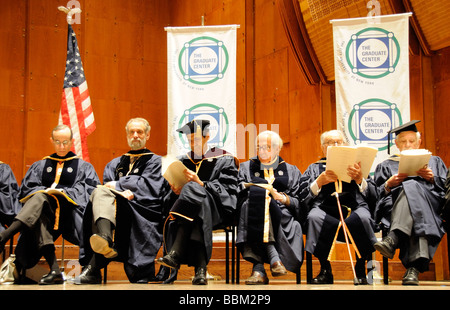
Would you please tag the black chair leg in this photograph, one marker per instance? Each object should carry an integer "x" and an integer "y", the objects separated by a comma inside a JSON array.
[
  {"x": 309, "y": 270},
  {"x": 227, "y": 256},
  {"x": 233, "y": 254},
  {"x": 105, "y": 274}
]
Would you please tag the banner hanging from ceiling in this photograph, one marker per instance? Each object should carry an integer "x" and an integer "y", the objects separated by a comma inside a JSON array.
[
  {"x": 372, "y": 78},
  {"x": 202, "y": 84}
]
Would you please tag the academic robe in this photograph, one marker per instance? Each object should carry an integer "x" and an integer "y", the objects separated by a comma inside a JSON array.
[
  {"x": 286, "y": 231},
  {"x": 138, "y": 231},
  {"x": 210, "y": 207},
  {"x": 323, "y": 216},
  {"x": 9, "y": 192},
  {"x": 446, "y": 209},
  {"x": 425, "y": 199},
  {"x": 78, "y": 179}
]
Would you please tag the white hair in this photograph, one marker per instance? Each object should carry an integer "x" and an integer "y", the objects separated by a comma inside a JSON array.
[
  {"x": 275, "y": 138},
  {"x": 417, "y": 135},
  {"x": 324, "y": 135}
]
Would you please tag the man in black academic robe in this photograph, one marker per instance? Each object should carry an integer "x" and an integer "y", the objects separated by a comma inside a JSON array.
[
  {"x": 123, "y": 222},
  {"x": 54, "y": 193},
  {"x": 318, "y": 185},
  {"x": 9, "y": 192},
  {"x": 206, "y": 202},
  {"x": 269, "y": 230},
  {"x": 409, "y": 207}
]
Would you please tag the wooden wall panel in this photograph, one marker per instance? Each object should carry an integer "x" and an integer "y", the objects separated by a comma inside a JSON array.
[
  {"x": 440, "y": 64},
  {"x": 12, "y": 89}
]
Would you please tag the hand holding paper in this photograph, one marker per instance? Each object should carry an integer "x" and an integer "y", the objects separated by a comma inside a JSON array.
[
  {"x": 411, "y": 161},
  {"x": 173, "y": 171},
  {"x": 340, "y": 158}
]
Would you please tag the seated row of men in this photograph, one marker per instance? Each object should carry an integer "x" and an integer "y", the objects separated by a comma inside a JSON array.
[{"x": 136, "y": 211}]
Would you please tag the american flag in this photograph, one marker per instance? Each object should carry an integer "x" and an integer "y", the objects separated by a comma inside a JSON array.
[{"x": 76, "y": 110}]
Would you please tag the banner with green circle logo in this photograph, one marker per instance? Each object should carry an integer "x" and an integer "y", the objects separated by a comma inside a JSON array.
[{"x": 372, "y": 78}]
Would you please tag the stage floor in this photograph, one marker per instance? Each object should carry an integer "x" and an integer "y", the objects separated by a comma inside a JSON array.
[{"x": 185, "y": 285}]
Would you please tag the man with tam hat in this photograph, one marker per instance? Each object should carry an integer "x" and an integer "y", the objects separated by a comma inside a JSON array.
[
  {"x": 409, "y": 207},
  {"x": 123, "y": 222},
  {"x": 206, "y": 202}
]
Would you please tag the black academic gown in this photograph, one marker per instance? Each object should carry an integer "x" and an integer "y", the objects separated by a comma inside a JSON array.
[
  {"x": 210, "y": 207},
  {"x": 9, "y": 192},
  {"x": 425, "y": 199},
  {"x": 138, "y": 231},
  {"x": 359, "y": 221},
  {"x": 446, "y": 209},
  {"x": 78, "y": 180},
  {"x": 286, "y": 232}
]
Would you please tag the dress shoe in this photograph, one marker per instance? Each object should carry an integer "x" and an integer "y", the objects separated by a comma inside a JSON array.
[
  {"x": 324, "y": 277},
  {"x": 411, "y": 277},
  {"x": 170, "y": 260},
  {"x": 53, "y": 277},
  {"x": 257, "y": 278},
  {"x": 386, "y": 247},
  {"x": 277, "y": 269},
  {"x": 363, "y": 281},
  {"x": 90, "y": 275},
  {"x": 103, "y": 244},
  {"x": 200, "y": 276}
]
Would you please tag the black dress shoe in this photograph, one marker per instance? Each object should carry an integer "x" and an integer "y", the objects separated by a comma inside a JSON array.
[
  {"x": 324, "y": 277},
  {"x": 363, "y": 281},
  {"x": 386, "y": 247},
  {"x": 411, "y": 277},
  {"x": 170, "y": 260},
  {"x": 166, "y": 275},
  {"x": 53, "y": 277},
  {"x": 103, "y": 244},
  {"x": 90, "y": 275},
  {"x": 200, "y": 276}
]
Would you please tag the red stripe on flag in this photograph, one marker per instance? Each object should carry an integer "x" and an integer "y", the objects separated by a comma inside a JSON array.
[{"x": 80, "y": 116}]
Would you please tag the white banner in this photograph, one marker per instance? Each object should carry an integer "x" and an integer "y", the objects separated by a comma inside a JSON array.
[
  {"x": 202, "y": 84},
  {"x": 372, "y": 78}
]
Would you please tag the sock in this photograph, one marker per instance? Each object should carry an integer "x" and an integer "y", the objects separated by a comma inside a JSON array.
[
  {"x": 259, "y": 267},
  {"x": 201, "y": 259},
  {"x": 105, "y": 227},
  {"x": 360, "y": 267},
  {"x": 325, "y": 264},
  {"x": 397, "y": 236},
  {"x": 272, "y": 253},
  {"x": 13, "y": 229},
  {"x": 49, "y": 255},
  {"x": 183, "y": 232}
]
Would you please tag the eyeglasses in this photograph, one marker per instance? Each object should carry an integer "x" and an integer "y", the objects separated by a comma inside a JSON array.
[
  {"x": 264, "y": 148},
  {"x": 65, "y": 142},
  {"x": 334, "y": 142}
]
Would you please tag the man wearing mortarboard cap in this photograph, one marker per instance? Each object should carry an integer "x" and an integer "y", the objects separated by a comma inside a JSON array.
[
  {"x": 409, "y": 207},
  {"x": 207, "y": 202}
]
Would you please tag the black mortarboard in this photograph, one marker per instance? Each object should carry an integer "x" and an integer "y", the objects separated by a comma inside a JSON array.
[
  {"x": 409, "y": 126},
  {"x": 195, "y": 126}
]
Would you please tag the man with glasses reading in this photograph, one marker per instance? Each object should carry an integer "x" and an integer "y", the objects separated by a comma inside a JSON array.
[
  {"x": 55, "y": 192},
  {"x": 269, "y": 229},
  {"x": 323, "y": 218}
]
